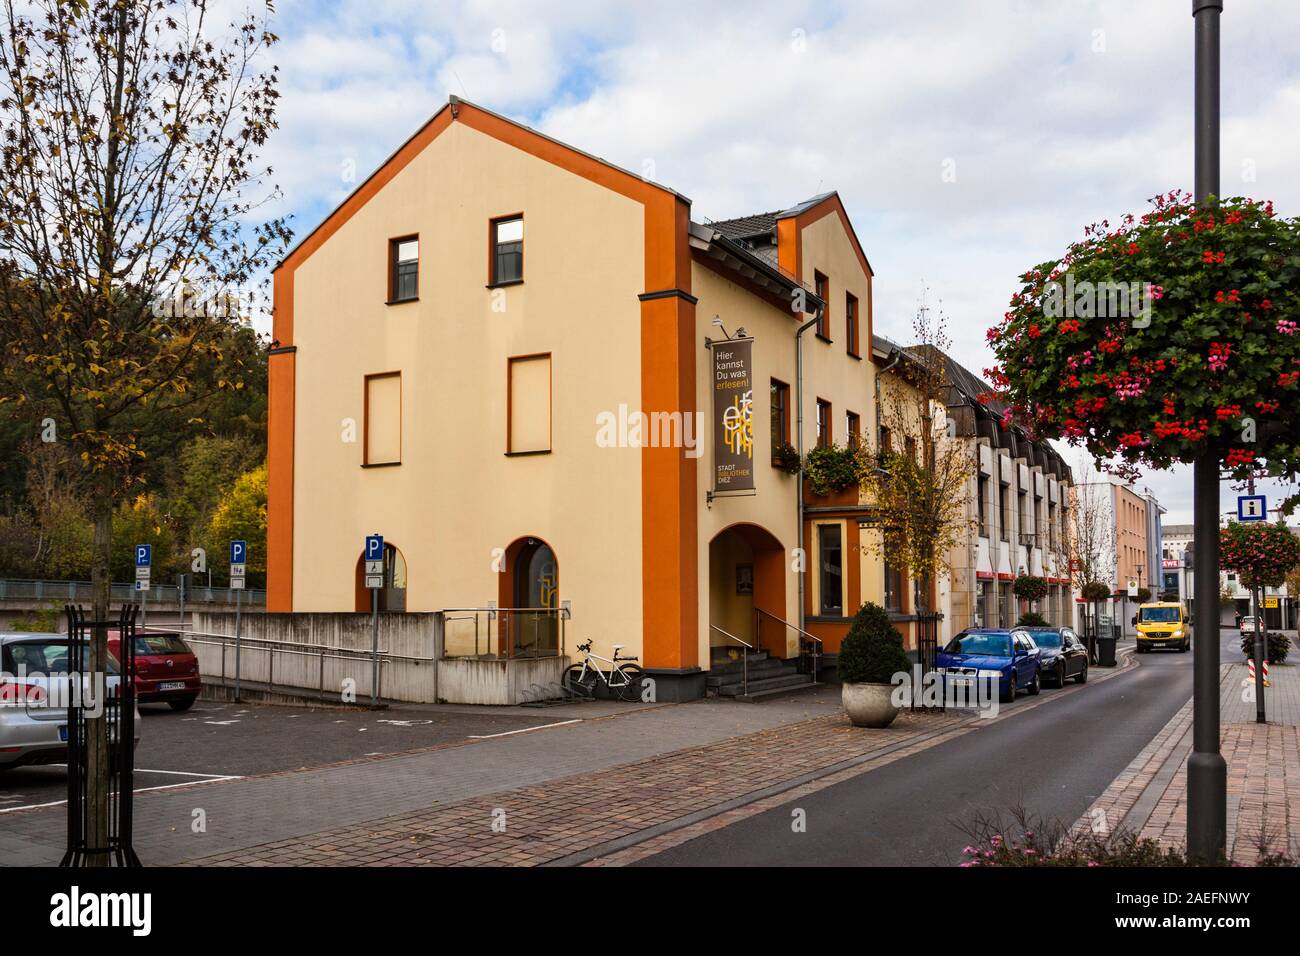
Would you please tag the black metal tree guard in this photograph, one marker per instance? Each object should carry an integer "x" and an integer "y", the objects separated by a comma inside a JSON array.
[{"x": 119, "y": 715}]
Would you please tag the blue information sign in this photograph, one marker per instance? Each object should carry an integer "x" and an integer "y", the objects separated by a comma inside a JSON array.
[{"x": 1252, "y": 508}]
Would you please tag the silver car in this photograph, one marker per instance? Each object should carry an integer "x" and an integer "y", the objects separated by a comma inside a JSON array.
[{"x": 34, "y": 679}]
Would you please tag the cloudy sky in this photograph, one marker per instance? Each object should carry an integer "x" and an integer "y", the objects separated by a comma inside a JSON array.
[{"x": 969, "y": 140}]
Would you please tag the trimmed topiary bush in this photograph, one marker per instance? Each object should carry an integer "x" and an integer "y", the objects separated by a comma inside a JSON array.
[
  {"x": 1032, "y": 619},
  {"x": 1095, "y": 591},
  {"x": 872, "y": 652},
  {"x": 1029, "y": 587}
]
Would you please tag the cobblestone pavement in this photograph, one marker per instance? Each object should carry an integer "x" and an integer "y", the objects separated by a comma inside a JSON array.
[
  {"x": 576, "y": 815},
  {"x": 296, "y": 803},
  {"x": 619, "y": 815},
  {"x": 1150, "y": 796}
]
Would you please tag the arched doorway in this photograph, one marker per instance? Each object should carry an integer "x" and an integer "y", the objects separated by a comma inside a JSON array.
[
  {"x": 392, "y": 596},
  {"x": 746, "y": 576},
  {"x": 530, "y": 589}
]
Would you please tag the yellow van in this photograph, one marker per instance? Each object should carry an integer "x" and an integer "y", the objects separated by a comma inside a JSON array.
[{"x": 1163, "y": 624}]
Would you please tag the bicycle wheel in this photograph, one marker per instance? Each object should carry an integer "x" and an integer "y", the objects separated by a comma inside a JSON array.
[
  {"x": 631, "y": 691},
  {"x": 575, "y": 681}
]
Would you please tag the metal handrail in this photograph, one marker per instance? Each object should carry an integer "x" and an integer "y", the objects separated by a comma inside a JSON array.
[
  {"x": 759, "y": 614},
  {"x": 323, "y": 651},
  {"x": 42, "y": 590},
  {"x": 744, "y": 657}
]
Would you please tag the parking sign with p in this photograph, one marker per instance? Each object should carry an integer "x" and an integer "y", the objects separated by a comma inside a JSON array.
[{"x": 374, "y": 557}]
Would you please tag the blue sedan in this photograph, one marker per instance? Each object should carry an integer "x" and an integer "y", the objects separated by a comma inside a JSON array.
[{"x": 1010, "y": 656}]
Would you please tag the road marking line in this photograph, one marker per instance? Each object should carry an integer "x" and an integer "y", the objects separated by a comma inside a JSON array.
[
  {"x": 524, "y": 730},
  {"x": 169, "y": 786}
]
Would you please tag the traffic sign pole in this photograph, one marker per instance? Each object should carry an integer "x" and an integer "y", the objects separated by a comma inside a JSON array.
[
  {"x": 238, "y": 555},
  {"x": 374, "y": 558},
  {"x": 1259, "y": 653}
]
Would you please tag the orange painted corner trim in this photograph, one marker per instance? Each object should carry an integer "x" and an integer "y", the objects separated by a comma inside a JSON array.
[{"x": 279, "y": 481}]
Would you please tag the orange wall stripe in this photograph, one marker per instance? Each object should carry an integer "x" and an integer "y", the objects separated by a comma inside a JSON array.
[{"x": 279, "y": 480}]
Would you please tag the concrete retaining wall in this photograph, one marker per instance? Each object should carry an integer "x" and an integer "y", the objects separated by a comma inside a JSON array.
[{"x": 336, "y": 648}]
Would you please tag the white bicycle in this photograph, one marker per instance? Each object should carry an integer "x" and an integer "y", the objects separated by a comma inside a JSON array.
[{"x": 623, "y": 678}]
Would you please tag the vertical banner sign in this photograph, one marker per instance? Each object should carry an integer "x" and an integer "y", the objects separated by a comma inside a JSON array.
[{"x": 733, "y": 416}]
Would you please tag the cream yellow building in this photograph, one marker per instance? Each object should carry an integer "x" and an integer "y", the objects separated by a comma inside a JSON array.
[{"x": 461, "y": 352}]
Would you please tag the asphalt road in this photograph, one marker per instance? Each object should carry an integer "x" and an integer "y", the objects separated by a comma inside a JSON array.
[
  {"x": 217, "y": 738},
  {"x": 1052, "y": 760}
]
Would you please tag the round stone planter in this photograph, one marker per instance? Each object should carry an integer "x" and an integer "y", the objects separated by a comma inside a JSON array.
[{"x": 869, "y": 705}]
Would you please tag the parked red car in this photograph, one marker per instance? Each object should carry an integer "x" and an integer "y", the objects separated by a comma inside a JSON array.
[{"x": 166, "y": 670}]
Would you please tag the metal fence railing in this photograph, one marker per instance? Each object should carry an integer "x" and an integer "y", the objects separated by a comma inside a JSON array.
[
  {"x": 503, "y": 632},
  {"x": 317, "y": 668},
  {"x": 80, "y": 592}
]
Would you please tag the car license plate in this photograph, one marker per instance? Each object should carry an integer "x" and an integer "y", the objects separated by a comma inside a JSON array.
[
  {"x": 63, "y": 732},
  {"x": 172, "y": 685}
]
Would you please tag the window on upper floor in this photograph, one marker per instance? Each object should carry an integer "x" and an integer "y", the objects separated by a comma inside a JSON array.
[
  {"x": 825, "y": 433},
  {"x": 982, "y": 505},
  {"x": 404, "y": 269},
  {"x": 1004, "y": 512},
  {"x": 851, "y": 328},
  {"x": 853, "y": 428},
  {"x": 507, "y": 250},
  {"x": 822, "y": 286},
  {"x": 780, "y": 392}
]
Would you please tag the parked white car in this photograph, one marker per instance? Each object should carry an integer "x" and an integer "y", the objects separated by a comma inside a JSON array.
[{"x": 33, "y": 679}]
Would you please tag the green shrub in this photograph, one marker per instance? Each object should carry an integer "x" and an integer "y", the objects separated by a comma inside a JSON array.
[
  {"x": 1277, "y": 647},
  {"x": 1032, "y": 619},
  {"x": 1095, "y": 591},
  {"x": 833, "y": 468},
  {"x": 44, "y": 621},
  {"x": 786, "y": 457},
  {"x": 1029, "y": 587},
  {"x": 872, "y": 652}
]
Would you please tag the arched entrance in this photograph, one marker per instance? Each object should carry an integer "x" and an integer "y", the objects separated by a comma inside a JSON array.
[
  {"x": 747, "y": 575},
  {"x": 530, "y": 588},
  {"x": 392, "y": 596}
]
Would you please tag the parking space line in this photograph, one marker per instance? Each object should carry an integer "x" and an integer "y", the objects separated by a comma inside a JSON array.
[
  {"x": 207, "y": 778},
  {"x": 524, "y": 730}
]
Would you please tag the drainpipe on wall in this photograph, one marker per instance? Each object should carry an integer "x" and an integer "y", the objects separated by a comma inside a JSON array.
[{"x": 798, "y": 387}]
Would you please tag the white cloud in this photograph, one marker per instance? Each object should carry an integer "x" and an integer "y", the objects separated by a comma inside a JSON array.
[{"x": 1047, "y": 133}]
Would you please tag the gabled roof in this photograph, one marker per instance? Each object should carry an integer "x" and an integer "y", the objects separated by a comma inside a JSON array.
[{"x": 454, "y": 104}]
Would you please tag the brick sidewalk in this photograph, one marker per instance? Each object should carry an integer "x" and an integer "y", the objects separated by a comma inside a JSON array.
[
  {"x": 619, "y": 815},
  {"x": 576, "y": 818},
  {"x": 1150, "y": 796}
]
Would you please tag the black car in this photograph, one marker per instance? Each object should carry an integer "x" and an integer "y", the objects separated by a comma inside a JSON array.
[{"x": 1062, "y": 654}]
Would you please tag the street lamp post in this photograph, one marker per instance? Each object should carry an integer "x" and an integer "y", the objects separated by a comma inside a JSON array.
[{"x": 1207, "y": 773}]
